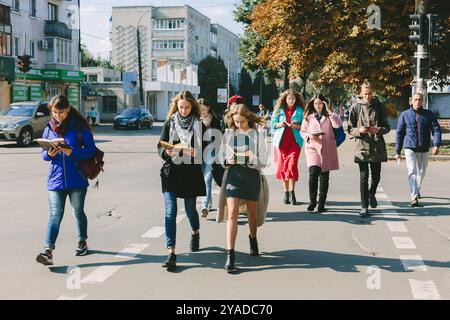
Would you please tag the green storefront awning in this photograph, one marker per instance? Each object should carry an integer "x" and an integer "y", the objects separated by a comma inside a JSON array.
[
  {"x": 7, "y": 68},
  {"x": 52, "y": 75}
]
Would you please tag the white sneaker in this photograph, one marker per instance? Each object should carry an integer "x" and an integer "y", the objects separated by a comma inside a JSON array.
[{"x": 205, "y": 212}]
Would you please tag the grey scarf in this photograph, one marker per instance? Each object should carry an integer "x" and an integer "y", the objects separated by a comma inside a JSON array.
[{"x": 183, "y": 127}]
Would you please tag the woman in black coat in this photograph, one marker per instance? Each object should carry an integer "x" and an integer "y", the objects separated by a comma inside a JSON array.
[{"x": 181, "y": 148}]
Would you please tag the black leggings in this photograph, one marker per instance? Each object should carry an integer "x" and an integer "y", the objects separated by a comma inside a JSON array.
[
  {"x": 375, "y": 168},
  {"x": 316, "y": 175}
]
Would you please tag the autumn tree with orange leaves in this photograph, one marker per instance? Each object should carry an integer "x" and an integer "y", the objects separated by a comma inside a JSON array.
[{"x": 330, "y": 40}]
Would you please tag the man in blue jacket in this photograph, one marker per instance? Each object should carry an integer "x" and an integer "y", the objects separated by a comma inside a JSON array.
[{"x": 415, "y": 126}]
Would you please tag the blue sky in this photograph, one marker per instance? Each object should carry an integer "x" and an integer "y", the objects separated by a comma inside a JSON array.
[{"x": 95, "y": 16}]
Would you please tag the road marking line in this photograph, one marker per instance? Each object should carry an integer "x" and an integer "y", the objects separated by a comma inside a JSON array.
[
  {"x": 382, "y": 196},
  {"x": 413, "y": 263},
  {"x": 72, "y": 297},
  {"x": 100, "y": 274},
  {"x": 132, "y": 251},
  {"x": 424, "y": 290},
  {"x": 397, "y": 227},
  {"x": 154, "y": 233},
  {"x": 404, "y": 243}
]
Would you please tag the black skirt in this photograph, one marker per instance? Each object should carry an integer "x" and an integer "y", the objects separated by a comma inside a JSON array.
[{"x": 243, "y": 183}]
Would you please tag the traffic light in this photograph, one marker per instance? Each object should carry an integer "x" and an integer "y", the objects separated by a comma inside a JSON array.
[
  {"x": 24, "y": 63},
  {"x": 419, "y": 27},
  {"x": 434, "y": 28},
  {"x": 424, "y": 67}
]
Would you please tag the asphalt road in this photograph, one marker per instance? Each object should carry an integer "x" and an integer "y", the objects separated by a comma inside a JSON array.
[{"x": 399, "y": 253}]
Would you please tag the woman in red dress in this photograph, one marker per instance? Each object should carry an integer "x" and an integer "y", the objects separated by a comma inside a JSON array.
[{"x": 286, "y": 123}]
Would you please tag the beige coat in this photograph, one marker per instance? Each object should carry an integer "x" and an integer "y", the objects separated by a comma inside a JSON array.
[{"x": 261, "y": 210}]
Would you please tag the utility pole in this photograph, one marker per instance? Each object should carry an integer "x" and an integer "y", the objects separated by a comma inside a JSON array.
[
  {"x": 141, "y": 88},
  {"x": 261, "y": 77},
  {"x": 228, "y": 82},
  {"x": 421, "y": 53},
  {"x": 138, "y": 38}
]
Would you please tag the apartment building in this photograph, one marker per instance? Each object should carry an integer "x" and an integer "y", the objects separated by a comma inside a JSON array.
[
  {"x": 174, "y": 39},
  {"x": 47, "y": 30}
]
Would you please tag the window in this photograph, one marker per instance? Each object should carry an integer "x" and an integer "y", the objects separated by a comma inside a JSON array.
[
  {"x": 32, "y": 49},
  {"x": 5, "y": 39},
  {"x": 172, "y": 24},
  {"x": 16, "y": 46},
  {"x": 109, "y": 104},
  {"x": 168, "y": 44},
  {"x": 59, "y": 51},
  {"x": 52, "y": 12},
  {"x": 16, "y": 5},
  {"x": 33, "y": 8}
]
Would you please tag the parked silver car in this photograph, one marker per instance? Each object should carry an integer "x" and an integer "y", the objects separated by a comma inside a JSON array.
[{"x": 24, "y": 121}]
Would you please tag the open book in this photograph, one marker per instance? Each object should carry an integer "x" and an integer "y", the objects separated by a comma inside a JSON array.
[
  {"x": 239, "y": 153},
  {"x": 53, "y": 143},
  {"x": 317, "y": 132},
  {"x": 168, "y": 145}
]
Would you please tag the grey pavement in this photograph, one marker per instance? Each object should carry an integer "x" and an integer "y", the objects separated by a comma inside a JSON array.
[{"x": 335, "y": 255}]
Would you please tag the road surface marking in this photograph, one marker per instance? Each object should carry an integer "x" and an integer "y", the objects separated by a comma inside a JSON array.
[
  {"x": 132, "y": 251},
  {"x": 413, "y": 263},
  {"x": 424, "y": 290},
  {"x": 154, "y": 233},
  {"x": 100, "y": 274},
  {"x": 397, "y": 227},
  {"x": 72, "y": 297},
  {"x": 404, "y": 243}
]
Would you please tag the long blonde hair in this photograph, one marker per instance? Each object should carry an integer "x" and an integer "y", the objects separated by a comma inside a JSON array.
[
  {"x": 281, "y": 103},
  {"x": 243, "y": 110},
  {"x": 184, "y": 95}
]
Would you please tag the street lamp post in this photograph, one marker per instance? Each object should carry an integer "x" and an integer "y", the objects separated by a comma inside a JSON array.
[{"x": 138, "y": 35}]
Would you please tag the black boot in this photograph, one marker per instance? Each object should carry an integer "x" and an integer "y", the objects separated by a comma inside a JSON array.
[
  {"x": 321, "y": 207},
  {"x": 195, "y": 242},
  {"x": 293, "y": 199},
  {"x": 286, "y": 198},
  {"x": 312, "y": 205},
  {"x": 312, "y": 201},
  {"x": 229, "y": 265},
  {"x": 254, "y": 251},
  {"x": 171, "y": 262}
]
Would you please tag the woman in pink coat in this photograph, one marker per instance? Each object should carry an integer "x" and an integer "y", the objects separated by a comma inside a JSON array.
[{"x": 320, "y": 148}]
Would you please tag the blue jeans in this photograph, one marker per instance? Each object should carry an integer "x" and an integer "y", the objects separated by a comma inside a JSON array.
[
  {"x": 57, "y": 202},
  {"x": 170, "y": 200},
  {"x": 207, "y": 173}
]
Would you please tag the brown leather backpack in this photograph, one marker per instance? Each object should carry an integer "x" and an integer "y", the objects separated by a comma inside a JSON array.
[{"x": 92, "y": 167}]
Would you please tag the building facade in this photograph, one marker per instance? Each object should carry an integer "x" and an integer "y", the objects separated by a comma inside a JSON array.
[
  {"x": 177, "y": 36},
  {"x": 48, "y": 31}
]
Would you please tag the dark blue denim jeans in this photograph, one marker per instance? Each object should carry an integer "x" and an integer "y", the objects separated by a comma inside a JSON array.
[
  {"x": 57, "y": 202},
  {"x": 170, "y": 200}
]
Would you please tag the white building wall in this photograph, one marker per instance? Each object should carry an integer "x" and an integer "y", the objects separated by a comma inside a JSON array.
[
  {"x": 227, "y": 50},
  {"x": 124, "y": 38},
  {"x": 33, "y": 27}
]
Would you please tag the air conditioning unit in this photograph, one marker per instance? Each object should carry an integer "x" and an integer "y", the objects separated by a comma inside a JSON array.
[{"x": 43, "y": 44}]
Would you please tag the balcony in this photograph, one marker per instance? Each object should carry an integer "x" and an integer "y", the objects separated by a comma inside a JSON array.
[{"x": 57, "y": 29}]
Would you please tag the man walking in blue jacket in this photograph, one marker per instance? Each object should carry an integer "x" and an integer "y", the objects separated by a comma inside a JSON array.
[{"x": 415, "y": 126}]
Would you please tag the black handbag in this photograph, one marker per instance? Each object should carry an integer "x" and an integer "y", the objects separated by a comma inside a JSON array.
[{"x": 167, "y": 170}]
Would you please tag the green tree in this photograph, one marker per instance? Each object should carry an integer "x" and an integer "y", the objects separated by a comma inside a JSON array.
[
  {"x": 245, "y": 86},
  {"x": 212, "y": 75},
  {"x": 88, "y": 60}
]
